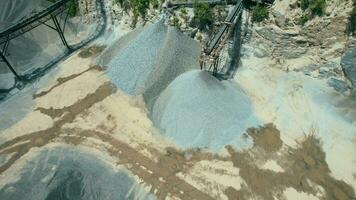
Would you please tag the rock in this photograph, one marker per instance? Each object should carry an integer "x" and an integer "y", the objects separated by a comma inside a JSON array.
[
  {"x": 338, "y": 85},
  {"x": 260, "y": 53},
  {"x": 348, "y": 64},
  {"x": 279, "y": 18},
  {"x": 328, "y": 69}
]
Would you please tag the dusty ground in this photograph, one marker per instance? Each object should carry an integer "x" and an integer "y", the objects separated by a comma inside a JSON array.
[{"x": 83, "y": 105}]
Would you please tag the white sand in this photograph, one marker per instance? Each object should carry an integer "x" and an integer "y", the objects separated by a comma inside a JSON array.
[
  {"x": 299, "y": 105},
  {"x": 292, "y": 194}
]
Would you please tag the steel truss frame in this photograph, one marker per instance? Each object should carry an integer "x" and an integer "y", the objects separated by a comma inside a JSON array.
[{"x": 40, "y": 18}]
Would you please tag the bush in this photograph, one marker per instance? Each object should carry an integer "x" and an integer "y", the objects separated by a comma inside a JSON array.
[
  {"x": 140, "y": 6},
  {"x": 304, "y": 4},
  {"x": 203, "y": 14},
  {"x": 259, "y": 13},
  {"x": 352, "y": 19},
  {"x": 317, "y": 7},
  {"x": 154, "y": 3},
  {"x": 303, "y": 19},
  {"x": 73, "y": 8},
  {"x": 311, "y": 8}
]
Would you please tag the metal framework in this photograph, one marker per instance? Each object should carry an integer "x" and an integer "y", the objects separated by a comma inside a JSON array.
[
  {"x": 210, "y": 55},
  {"x": 43, "y": 17}
]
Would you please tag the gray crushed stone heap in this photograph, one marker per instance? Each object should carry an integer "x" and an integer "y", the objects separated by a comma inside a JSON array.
[
  {"x": 197, "y": 110},
  {"x": 72, "y": 173},
  {"x": 148, "y": 59}
]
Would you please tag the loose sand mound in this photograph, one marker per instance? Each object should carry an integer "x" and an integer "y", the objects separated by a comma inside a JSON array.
[
  {"x": 197, "y": 110},
  {"x": 147, "y": 60},
  {"x": 60, "y": 173}
]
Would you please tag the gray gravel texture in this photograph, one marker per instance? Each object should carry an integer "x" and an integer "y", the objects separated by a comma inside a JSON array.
[
  {"x": 348, "y": 63},
  {"x": 69, "y": 173},
  {"x": 198, "y": 110},
  {"x": 147, "y": 60}
]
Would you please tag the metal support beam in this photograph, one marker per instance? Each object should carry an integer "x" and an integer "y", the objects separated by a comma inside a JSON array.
[
  {"x": 60, "y": 32},
  {"x": 9, "y": 65}
]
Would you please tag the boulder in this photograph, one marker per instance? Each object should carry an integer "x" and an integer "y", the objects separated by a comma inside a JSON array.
[{"x": 348, "y": 64}]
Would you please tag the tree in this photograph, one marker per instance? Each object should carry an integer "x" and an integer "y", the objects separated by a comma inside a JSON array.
[
  {"x": 352, "y": 19},
  {"x": 259, "y": 13},
  {"x": 317, "y": 7},
  {"x": 203, "y": 14}
]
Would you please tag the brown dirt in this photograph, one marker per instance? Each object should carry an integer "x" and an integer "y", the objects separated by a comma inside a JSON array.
[
  {"x": 307, "y": 162},
  {"x": 267, "y": 138},
  {"x": 45, "y": 136},
  {"x": 63, "y": 80},
  {"x": 160, "y": 175},
  {"x": 151, "y": 172},
  {"x": 91, "y": 51}
]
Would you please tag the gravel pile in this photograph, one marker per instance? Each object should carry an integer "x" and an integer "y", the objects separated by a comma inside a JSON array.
[
  {"x": 146, "y": 61},
  {"x": 71, "y": 173},
  {"x": 197, "y": 110}
]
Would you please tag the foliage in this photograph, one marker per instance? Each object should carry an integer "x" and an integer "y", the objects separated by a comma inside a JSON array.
[
  {"x": 259, "y": 13},
  {"x": 140, "y": 6},
  {"x": 176, "y": 22},
  {"x": 317, "y": 7},
  {"x": 303, "y": 19},
  {"x": 203, "y": 14},
  {"x": 311, "y": 8},
  {"x": 154, "y": 3},
  {"x": 304, "y": 4},
  {"x": 73, "y": 8},
  {"x": 184, "y": 11},
  {"x": 352, "y": 19}
]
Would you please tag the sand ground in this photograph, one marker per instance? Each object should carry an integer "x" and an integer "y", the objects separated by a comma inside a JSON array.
[{"x": 77, "y": 105}]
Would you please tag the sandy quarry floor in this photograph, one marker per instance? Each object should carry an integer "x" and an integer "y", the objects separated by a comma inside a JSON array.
[{"x": 79, "y": 106}]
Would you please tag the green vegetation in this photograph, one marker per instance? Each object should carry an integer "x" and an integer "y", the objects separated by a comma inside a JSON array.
[
  {"x": 304, "y": 4},
  {"x": 72, "y": 7},
  {"x": 317, "y": 7},
  {"x": 352, "y": 19},
  {"x": 303, "y": 19},
  {"x": 139, "y": 7},
  {"x": 154, "y": 3},
  {"x": 176, "y": 22},
  {"x": 259, "y": 13},
  {"x": 311, "y": 8},
  {"x": 203, "y": 14}
]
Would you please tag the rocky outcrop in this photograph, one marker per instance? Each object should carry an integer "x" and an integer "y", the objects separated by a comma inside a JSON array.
[{"x": 348, "y": 63}]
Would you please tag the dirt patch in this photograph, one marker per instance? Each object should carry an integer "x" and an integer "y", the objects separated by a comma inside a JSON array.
[
  {"x": 91, "y": 51},
  {"x": 160, "y": 175},
  {"x": 40, "y": 138},
  {"x": 232, "y": 193},
  {"x": 302, "y": 165},
  {"x": 63, "y": 80},
  {"x": 267, "y": 138}
]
